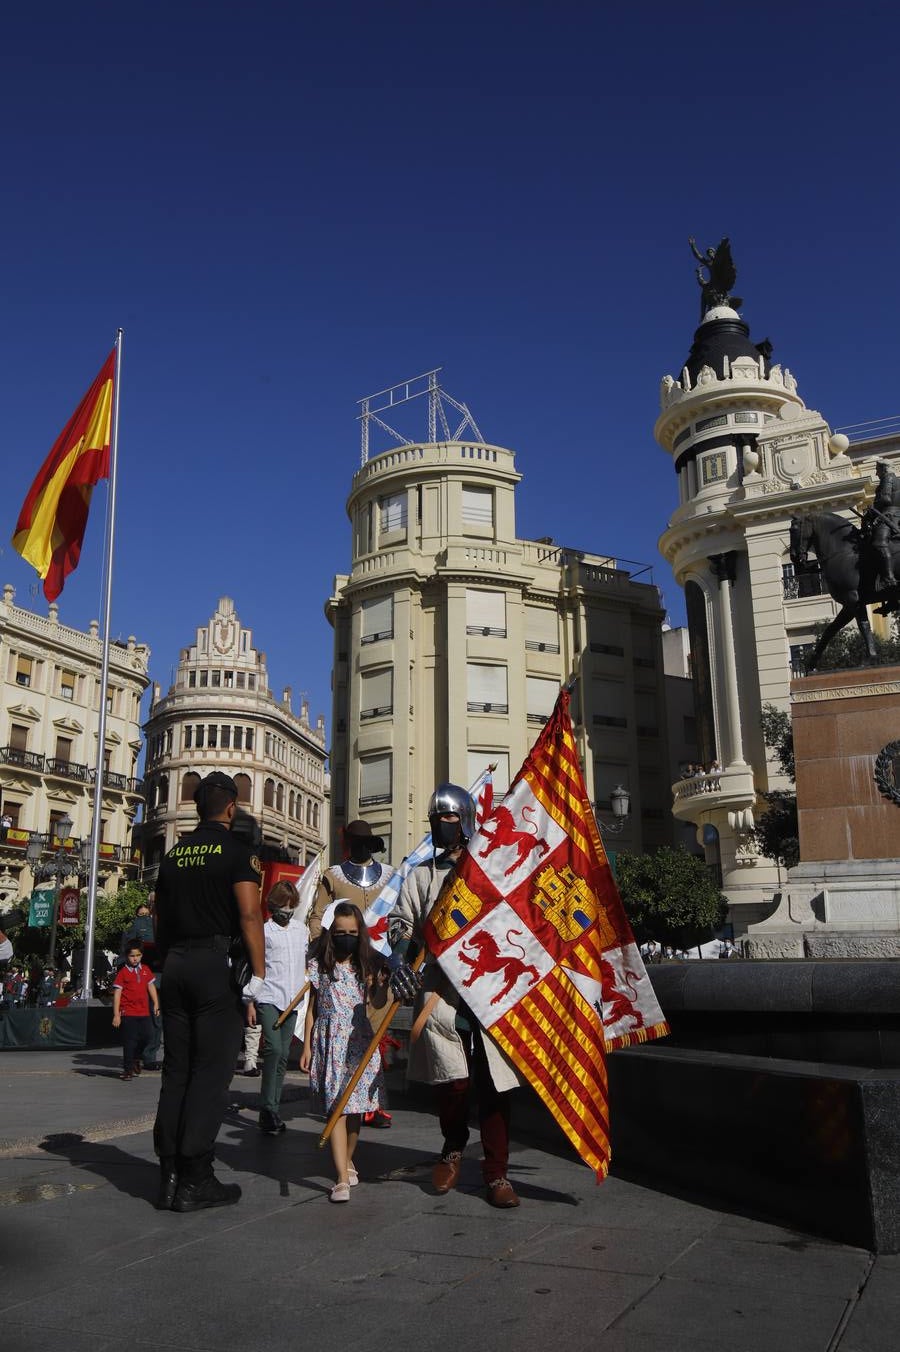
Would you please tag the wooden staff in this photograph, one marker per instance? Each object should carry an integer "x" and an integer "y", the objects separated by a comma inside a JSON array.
[
  {"x": 292, "y": 1006},
  {"x": 372, "y": 1048}
]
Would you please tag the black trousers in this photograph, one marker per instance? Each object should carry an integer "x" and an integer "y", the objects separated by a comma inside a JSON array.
[
  {"x": 137, "y": 1030},
  {"x": 202, "y": 1025}
]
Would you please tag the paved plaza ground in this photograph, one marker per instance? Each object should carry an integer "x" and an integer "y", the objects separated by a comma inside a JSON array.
[{"x": 89, "y": 1266}]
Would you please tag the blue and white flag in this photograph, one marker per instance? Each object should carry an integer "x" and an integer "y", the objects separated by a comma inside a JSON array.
[{"x": 376, "y": 917}]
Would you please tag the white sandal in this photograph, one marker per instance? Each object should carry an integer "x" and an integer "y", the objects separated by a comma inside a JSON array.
[
  {"x": 340, "y": 1193},
  {"x": 352, "y": 1177}
]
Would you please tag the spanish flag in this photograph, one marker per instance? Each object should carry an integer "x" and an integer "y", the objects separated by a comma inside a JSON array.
[{"x": 52, "y": 521}]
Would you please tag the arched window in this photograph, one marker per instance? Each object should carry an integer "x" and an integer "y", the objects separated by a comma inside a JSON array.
[
  {"x": 189, "y": 786},
  {"x": 279, "y": 798},
  {"x": 269, "y": 793},
  {"x": 162, "y": 792},
  {"x": 243, "y": 788}
]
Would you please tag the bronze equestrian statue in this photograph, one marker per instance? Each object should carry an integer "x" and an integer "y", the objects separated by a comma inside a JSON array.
[{"x": 857, "y": 563}]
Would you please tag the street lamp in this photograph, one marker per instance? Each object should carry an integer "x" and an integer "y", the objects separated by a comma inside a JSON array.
[
  {"x": 57, "y": 868},
  {"x": 620, "y": 802}
]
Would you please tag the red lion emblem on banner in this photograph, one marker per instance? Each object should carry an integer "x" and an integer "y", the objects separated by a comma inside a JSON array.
[
  {"x": 489, "y": 959},
  {"x": 617, "y": 1001},
  {"x": 506, "y": 832}
]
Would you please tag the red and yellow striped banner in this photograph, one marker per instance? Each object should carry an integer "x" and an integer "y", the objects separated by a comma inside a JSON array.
[
  {"x": 532, "y": 933},
  {"x": 51, "y": 524}
]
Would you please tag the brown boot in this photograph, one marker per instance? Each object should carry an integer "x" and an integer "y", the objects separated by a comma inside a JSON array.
[
  {"x": 445, "y": 1174},
  {"x": 500, "y": 1193}
]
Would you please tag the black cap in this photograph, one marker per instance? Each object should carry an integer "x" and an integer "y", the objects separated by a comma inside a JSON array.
[{"x": 216, "y": 780}]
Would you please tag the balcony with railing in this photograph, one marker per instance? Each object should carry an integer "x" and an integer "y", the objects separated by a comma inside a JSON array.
[
  {"x": 798, "y": 583},
  {"x": 708, "y": 791},
  {"x": 64, "y": 768},
  {"x": 22, "y": 760}
]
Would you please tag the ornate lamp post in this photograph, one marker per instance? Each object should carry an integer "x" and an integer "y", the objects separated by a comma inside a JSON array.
[
  {"x": 57, "y": 868},
  {"x": 620, "y": 801}
]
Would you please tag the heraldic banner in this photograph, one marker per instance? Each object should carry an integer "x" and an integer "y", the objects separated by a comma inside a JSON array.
[{"x": 532, "y": 933}]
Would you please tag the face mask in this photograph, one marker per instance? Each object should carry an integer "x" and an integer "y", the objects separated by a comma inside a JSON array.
[
  {"x": 281, "y": 915},
  {"x": 360, "y": 851},
  {"x": 445, "y": 834},
  {"x": 345, "y": 945}
]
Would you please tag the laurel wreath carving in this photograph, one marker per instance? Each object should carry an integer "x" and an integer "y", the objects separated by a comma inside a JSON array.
[{"x": 887, "y": 763}]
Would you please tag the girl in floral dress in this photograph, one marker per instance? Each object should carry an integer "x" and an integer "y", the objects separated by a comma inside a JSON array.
[{"x": 346, "y": 974}]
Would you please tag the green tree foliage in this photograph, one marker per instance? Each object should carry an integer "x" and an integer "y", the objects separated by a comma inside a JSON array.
[
  {"x": 847, "y": 649},
  {"x": 670, "y": 896},
  {"x": 777, "y": 833},
  {"x": 115, "y": 911}
]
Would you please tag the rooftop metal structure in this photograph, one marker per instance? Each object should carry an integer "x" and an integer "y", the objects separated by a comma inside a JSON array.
[{"x": 427, "y": 386}]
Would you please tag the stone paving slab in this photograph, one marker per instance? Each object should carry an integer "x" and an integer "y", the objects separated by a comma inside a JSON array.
[{"x": 620, "y": 1266}]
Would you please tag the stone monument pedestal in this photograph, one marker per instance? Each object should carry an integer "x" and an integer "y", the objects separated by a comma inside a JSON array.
[{"x": 843, "y": 899}]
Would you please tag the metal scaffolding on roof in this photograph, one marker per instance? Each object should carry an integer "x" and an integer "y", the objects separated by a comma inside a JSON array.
[{"x": 404, "y": 392}]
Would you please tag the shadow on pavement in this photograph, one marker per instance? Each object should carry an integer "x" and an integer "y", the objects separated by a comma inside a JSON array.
[{"x": 127, "y": 1173}]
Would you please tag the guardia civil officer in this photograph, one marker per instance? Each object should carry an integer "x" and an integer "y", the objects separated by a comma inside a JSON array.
[{"x": 207, "y": 895}]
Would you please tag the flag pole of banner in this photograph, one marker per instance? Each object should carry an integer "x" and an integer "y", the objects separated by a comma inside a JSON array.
[
  {"x": 531, "y": 932},
  {"x": 376, "y": 917},
  {"x": 51, "y": 525}
]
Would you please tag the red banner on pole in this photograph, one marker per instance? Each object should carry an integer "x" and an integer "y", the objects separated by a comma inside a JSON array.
[{"x": 69, "y": 906}]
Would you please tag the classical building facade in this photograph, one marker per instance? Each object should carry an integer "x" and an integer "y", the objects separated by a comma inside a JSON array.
[
  {"x": 221, "y": 715},
  {"x": 452, "y": 637},
  {"x": 748, "y": 456},
  {"x": 50, "y": 681}
]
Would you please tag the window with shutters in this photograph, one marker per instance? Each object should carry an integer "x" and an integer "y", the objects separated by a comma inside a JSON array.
[
  {"x": 248, "y": 739},
  {"x": 375, "y": 779},
  {"x": 188, "y": 737},
  {"x": 63, "y": 749},
  {"x": 24, "y": 671},
  {"x": 18, "y": 737},
  {"x": 239, "y": 739},
  {"x": 478, "y": 508},
  {"x": 486, "y": 613},
  {"x": 478, "y": 761},
  {"x": 392, "y": 514},
  {"x": 189, "y": 785},
  {"x": 243, "y": 788},
  {"x": 486, "y": 688},
  {"x": 377, "y": 694},
  {"x": 67, "y": 684},
  {"x": 199, "y": 736},
  {"x": 541, "y": 629},
  {"x": 269, "y": 793},
  {"x": 540, "y": 697},
  {"x": 226, "y": 737},
  {"x": 377, "y": 619},
  {"x": 192, "y": 679}
]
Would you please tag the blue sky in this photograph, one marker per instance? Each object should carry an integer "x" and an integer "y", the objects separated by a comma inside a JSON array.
[{"x": 289, "y": 206}]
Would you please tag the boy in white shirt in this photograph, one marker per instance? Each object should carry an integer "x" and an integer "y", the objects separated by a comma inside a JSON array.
[{"x": 286, "y": 940}]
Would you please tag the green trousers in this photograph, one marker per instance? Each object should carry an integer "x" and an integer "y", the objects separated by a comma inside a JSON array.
[{"x": 275, "y": 1054}]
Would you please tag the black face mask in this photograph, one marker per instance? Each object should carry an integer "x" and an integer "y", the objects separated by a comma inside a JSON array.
[
  {"x": 445, "y": 834},
  {"x": 344, "y": 945},
  {"x": 360, "y": 851},
  {"x": 281, "y": 915}
]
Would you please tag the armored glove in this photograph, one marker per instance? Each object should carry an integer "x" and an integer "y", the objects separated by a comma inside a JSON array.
[{"x": 405, "y": 982}]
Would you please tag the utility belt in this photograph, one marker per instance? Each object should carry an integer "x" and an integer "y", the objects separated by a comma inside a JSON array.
[{"x": 219, "y": 943}]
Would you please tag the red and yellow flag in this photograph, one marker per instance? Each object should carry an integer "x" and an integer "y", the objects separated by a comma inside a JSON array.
[
  {"x": 52, "y": 521},
  {"x": 532, "y": 933}
]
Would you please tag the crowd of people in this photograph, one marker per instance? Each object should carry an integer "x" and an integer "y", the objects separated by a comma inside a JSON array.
[
  {"x": 215, "y": 966},
  {"x": 710, "y": 774},
  {"x": 653, "y": 951}
]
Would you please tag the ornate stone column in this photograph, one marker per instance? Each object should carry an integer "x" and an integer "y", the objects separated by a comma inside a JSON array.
[{"x": 724, "y": 569}]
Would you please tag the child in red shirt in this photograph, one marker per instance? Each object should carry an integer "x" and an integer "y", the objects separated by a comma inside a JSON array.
[{"x": 134, "y": 991}]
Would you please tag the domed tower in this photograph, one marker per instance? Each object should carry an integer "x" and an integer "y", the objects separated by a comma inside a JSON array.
[{"x": 748, "y": 455}]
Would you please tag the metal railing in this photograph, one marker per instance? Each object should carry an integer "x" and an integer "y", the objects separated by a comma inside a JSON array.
[{"x": 25, "y": 760}]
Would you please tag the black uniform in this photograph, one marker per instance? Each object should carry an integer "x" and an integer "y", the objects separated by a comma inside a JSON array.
[{"x": 196, "y": 920}]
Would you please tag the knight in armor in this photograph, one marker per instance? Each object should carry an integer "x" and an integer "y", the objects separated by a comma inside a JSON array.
[
  {"x": 358, "y": 879},
  {"x": 883, "y": 521},
  {"x": 448, "y": 1047}
]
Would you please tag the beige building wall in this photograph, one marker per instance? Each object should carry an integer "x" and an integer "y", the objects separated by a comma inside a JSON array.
[
  {"x": 452, "y": 637},
  {"x": 220, "y": 715},
  {"x": 50, "y": 684}
]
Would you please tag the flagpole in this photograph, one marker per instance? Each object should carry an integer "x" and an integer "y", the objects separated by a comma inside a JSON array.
[{"x": 90, "y": 922}]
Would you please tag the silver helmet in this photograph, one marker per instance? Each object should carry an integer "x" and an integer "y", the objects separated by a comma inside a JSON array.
[{"x": 449, "y": 798}]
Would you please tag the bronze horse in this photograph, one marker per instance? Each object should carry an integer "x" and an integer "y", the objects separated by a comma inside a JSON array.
[{"x": 848, "y": 570}]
